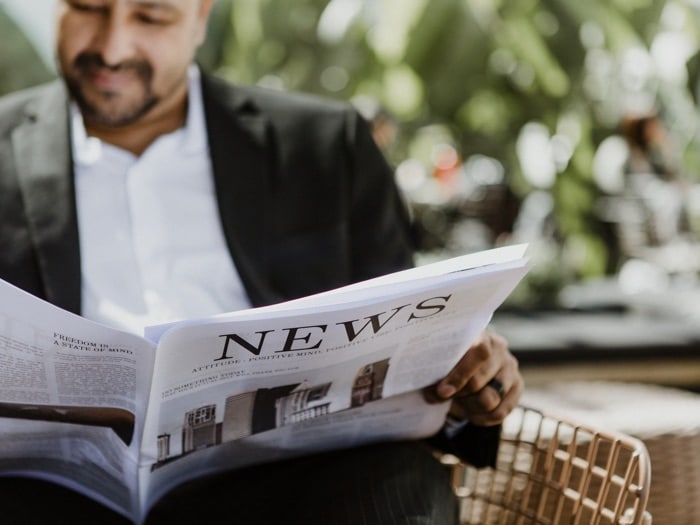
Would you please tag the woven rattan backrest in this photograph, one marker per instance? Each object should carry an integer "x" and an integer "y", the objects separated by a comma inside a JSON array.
[{"x": 553, "y": 471}]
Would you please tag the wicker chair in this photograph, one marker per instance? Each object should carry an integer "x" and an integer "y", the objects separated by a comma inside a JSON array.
[{"x": 556, "y": 472}]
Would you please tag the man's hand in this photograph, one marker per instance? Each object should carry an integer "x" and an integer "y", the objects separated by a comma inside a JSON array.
[{"x": 473, "y": 398}]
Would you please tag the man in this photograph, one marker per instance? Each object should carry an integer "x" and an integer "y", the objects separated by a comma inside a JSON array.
[{"x": 141, "y": 190}]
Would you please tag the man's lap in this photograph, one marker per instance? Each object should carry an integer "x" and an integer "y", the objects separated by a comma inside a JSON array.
[{"x": 396, "y": 483}]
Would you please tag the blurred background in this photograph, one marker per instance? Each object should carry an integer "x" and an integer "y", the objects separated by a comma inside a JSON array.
[{"x": 572, "y": 126}]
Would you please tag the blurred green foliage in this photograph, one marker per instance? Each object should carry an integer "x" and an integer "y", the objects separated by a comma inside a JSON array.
[
  {"x": 481, "y": 71},
  {"x": 20, "y": 64}
]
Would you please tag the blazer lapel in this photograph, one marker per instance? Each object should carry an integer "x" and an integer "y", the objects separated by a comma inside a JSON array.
[
  {"x": 42, "y": 151},
  {"x": 240, "y": 156}
]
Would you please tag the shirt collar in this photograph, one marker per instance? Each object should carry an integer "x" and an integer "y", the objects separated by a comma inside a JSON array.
[
  {"x": 195, "y": 138},
  {"x": 88, "y": 150}
]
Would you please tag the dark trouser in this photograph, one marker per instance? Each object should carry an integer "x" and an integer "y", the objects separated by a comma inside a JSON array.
[{"x": 397, "y": 484}]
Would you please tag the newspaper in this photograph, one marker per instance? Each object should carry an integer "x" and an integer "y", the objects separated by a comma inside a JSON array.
[{"x": 123, "y": 419}]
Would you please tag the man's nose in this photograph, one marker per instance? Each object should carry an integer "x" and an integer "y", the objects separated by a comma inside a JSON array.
[{"x": 115, "y": 41}]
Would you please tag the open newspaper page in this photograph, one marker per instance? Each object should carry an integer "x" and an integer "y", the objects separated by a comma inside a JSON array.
[
  {"x": 335, "y": 370},
  {"x": 72, "y": 399}
]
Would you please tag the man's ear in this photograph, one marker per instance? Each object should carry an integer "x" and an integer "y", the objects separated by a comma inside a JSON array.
[{"x": 205, "y": 7}]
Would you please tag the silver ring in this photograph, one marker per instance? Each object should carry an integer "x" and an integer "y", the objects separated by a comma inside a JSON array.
[{"x": 497, "y": 386}]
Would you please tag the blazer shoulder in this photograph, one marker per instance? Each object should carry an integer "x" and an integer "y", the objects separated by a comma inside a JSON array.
[
  {"x": 293, "y": 117},
  {"x": 270, "y": 101},
  {"x": 19, "y": 105}
]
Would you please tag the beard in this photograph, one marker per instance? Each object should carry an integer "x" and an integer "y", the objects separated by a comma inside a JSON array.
[{"x": 105, "y": 107}]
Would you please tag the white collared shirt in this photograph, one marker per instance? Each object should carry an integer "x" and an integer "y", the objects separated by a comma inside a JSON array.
[{"x": 152, "y": 248}]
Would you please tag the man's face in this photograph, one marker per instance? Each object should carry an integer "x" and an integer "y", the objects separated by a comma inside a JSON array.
[{"x": 123, "y": 58}]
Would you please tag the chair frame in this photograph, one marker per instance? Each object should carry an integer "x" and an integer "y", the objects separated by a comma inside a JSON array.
[{"x": 551, "y": 470}]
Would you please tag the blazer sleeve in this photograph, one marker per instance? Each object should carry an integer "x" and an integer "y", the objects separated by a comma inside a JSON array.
[
  {"x": 380, "y": 225},
  {"x": 473, "y": 444}
]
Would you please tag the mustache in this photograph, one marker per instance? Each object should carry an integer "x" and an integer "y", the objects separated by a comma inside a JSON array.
[{"x": 91, "y": 61}]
